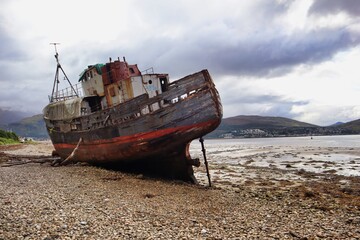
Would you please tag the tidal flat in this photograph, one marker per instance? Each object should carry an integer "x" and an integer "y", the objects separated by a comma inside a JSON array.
[
  {"x": 274, "y": 160},
  {"x": 271, "y": 190}
]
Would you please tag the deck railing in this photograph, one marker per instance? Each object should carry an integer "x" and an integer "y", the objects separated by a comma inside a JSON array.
[
  {"x": 67, "y": 93},
  {"x": 148, "y": 71}
]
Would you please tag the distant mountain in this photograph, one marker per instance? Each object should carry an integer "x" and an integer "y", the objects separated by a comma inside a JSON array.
[
  {"x": 246, "y": 122},
  {"x": 353, "y": 125},
  {"x": 29, "y": 127},
  {"x": 337, "y": 124},
  {"x": 9, "y": 116},
  {"x": 262, "y": 126}
]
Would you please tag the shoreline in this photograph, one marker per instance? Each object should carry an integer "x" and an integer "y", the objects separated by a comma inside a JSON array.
[{"x": 85, "y": 202}]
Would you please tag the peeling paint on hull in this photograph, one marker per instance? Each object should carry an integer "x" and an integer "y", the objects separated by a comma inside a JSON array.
[{"x": 136, "y": 146}]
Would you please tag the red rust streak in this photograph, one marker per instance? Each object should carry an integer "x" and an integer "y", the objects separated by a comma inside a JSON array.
[{"x": 136, "y": 137}]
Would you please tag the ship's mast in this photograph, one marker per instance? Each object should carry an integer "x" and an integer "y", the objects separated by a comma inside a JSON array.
[{"x": 55, "y": 91}]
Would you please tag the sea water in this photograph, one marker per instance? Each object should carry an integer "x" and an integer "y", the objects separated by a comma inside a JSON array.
[{"x": 308, "y": 141}]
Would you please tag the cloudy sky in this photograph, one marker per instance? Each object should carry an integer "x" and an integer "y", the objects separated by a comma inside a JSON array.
[{"x": 291, "y": 58}]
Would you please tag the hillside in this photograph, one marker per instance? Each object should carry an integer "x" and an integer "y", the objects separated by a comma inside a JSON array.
[
  {"x": 262, "y": 126},
  {"x": 246, "y": 122},
  {"x": 30, "y": 127},
  {"x": 8, "y": 137},
  {"x": 9, "y": 116},
  {"x": 353, "y": 125}
]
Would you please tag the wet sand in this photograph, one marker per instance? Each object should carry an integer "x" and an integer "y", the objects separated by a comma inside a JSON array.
[
  {"x": 238, "y": 164},
  {"x": 258, "y": 197}
]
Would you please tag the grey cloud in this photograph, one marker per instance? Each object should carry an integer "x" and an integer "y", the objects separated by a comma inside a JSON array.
[
  {"x": 253, "y": 57},
  {"x": 266, "y": 52},
  {"x": 278, "y": 108},
  {"x": 201, "y": 46},
  {"x": 320, "y": 7},
  {"x": 284, "y": 52},
  {"x": 240, "y": 101},
  {"x": 9, "y": 116},
  {"x": 8, "y": 50}
]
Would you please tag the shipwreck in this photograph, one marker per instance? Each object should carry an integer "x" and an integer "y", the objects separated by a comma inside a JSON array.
[{"x": 118, "y": 115}]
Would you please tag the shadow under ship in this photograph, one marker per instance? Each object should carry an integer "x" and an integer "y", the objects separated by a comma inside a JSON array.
[{"x": 118, "y": 116}]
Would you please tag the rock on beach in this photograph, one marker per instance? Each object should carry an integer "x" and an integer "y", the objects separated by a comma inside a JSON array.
[{"x": 38, "y": 201}]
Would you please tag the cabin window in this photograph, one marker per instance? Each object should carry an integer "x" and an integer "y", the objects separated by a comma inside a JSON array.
[
  {"x": 154, "y": 106},
  {"x": 91, "y": 74},
  {"x": 83, "y": 111},
  {"x": 145, "y": 110},
  {"x": 150, "y": 82},
  {"x": 131, "y": 70},
  {"x": 175, "y": 100}
]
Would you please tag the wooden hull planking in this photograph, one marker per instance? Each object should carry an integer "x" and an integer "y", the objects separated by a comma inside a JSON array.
[{"x": 154, "y": 141}]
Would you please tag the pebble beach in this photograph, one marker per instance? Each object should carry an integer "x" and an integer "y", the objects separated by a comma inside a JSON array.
[{"x": 78, "y": 201}]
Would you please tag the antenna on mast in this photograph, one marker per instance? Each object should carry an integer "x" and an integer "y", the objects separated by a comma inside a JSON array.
[
  {"x": 54, "y": 43},
  {"x": 55, "y": 92},
  {"x": 56, "y": 52}
]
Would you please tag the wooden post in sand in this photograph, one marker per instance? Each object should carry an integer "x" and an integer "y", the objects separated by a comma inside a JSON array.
[{"x": 206, "y": 163}]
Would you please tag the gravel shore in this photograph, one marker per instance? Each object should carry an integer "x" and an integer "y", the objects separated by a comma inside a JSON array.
[{"x": 84, "y": 202}]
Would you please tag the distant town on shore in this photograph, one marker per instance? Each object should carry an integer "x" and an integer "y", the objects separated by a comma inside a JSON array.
[{"x": 245, "y": 126}]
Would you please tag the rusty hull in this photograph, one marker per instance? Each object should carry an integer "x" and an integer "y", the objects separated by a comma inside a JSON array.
[{"x": 149, "y": 141}]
